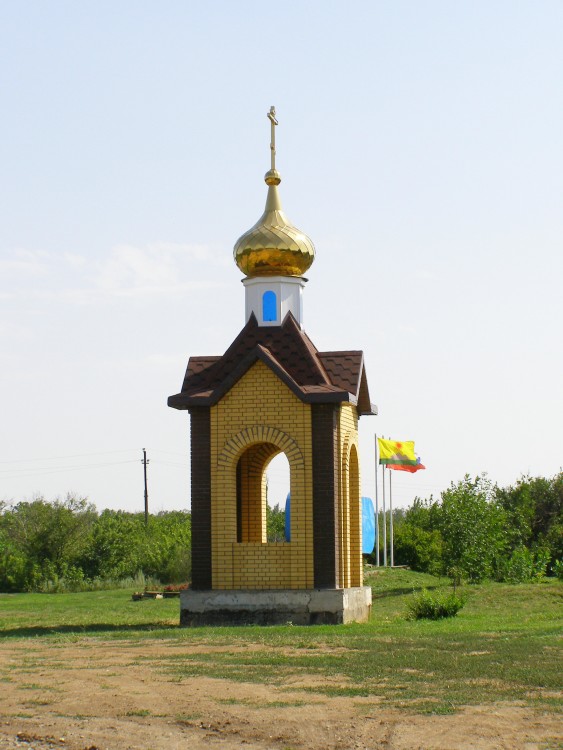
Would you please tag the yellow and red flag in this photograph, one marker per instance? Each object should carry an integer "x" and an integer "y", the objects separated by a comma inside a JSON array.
[
  {"x": 408, "y": 467},
  {"x": 396, "y": 453}
]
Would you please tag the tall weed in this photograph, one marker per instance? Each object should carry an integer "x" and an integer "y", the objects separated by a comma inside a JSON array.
[{"x": 64, "y": 585}]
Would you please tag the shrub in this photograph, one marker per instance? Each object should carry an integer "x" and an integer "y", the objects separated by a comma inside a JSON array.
[
  {"x": 178, "y": 567},
  {"x": 524, "y": 565},
  {"x": 520, "y": 566},
  {"x": 473, "y": 528},
  {"x": 418, "y": 548},
  {"x": 427, "y": 606}
]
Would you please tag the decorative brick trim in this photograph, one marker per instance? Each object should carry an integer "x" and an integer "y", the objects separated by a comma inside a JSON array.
[
  {"x": 350, "y": 440},
  {"x": 236, "y": 446}
]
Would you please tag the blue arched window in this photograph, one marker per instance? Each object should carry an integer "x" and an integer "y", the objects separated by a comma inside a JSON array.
[{"x": 269, "y": 307}]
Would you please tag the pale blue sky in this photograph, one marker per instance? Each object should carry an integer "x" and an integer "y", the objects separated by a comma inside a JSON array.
[{"x": 420, "y": 147}]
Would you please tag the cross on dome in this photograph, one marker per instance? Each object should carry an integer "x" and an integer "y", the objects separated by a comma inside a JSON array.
[
  {"x": 273, "y": 246},
  {"x": 272, "y": 118}
]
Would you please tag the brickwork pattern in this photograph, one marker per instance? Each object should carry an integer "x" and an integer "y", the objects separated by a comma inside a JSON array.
[
  {"x": 350, "y": 551},
  {"x": 260, "y": 409}
]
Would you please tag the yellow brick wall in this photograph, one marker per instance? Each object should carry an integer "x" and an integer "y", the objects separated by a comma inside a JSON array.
[
  {"x": 350, "y": 548},
  {"x": 260, "y": 409}
]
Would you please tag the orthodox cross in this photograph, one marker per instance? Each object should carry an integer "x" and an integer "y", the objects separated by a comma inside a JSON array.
[{"x": 272, "y": 118}]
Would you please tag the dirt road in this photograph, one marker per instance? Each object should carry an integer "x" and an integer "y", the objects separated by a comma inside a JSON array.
[{"x": 116, "y": 695}]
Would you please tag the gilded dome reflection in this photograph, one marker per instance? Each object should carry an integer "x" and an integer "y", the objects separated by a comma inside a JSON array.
[{"x": 273, "y": 246}]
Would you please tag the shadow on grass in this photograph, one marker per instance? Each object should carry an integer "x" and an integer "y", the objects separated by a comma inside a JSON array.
[
  {"x": 94, "y": 628},
  {"x": 402, "y": 591}
]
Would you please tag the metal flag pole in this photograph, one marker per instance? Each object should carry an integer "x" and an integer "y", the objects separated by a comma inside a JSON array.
[
  {"x": 391, "y": 516},
  {"x": 376, "y": 510},
  {"x": 384, "y": 524}
]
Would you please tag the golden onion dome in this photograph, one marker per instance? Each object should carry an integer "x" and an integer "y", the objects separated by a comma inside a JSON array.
[{"x": 273, "y": 247}]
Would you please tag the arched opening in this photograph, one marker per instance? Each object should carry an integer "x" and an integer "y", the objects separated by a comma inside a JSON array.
[
  {"x": 263, "y": 480},
  {"x": 350, "y": 520},
  {"x": 269, "y": 307},
  {"x": 277, "y": 492},
  {"x": 242, "y": 558}
]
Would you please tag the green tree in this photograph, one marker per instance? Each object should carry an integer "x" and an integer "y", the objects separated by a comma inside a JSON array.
[
  {"x": 12, "y": 561},
  {"x": 45, "y": 540},
  {"x": 115, "y": 548},
  {"x": 418, "y": 541},
  {"x": 168, "y": 540},
  {"x": 122, "y": 546},
  {"x": 66, "y": 543},
  {"x": 473, "y": 529},
  {"x": 418, "y": 548},
  {"x": 275, "y": 524},
  {"x": 534, "y": 508}
]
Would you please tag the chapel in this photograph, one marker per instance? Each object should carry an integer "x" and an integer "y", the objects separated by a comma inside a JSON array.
[{"x": 272, "y": 391}]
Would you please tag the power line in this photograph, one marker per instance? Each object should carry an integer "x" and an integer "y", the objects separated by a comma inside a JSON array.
[
  {"x": 57, "y": 458},
  {"x": 174, "y": 453},
  {"x": 30, "y": 472},
  {"x": 170, "y": 463}
]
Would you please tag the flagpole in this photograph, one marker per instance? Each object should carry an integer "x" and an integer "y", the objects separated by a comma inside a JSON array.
[
  {"x": 391, "y": 516},
  {"x": 376, "y": 509},
  {"x": 384, "y": 524}
]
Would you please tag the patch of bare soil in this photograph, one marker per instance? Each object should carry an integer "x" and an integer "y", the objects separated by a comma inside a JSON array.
[{"x": 96, "y": 695}]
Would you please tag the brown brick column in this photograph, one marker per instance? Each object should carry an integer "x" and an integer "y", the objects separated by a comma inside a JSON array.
[
  {"x": 201, "y": 496},
  {"x": 324, "y": 419}
]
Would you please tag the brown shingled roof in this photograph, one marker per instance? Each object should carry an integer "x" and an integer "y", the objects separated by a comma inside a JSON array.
[
  {"x": 315, "y": 377},
  {"x": 343, "y": 368}
]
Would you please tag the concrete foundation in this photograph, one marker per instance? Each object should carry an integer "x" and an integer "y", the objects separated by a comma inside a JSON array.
[{"x": 275, "y": 607}]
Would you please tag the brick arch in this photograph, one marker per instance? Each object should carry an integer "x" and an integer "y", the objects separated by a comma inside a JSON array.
[
  {"x": 349, "y": 510},
  {"x": 260, "y": 455},
  {"x": 349, "y": 442},
  {"x": 355, "y": 495},
  {"x": 237, "y": 445}
]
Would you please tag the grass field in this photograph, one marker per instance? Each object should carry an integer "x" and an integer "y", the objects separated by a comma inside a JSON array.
[{"x": 503, "y": 646}]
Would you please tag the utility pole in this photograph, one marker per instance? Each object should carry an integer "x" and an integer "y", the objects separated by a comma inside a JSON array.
[{"x": 145, "y": 461}]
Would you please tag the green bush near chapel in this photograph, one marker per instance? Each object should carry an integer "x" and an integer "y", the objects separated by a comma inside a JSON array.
[{"x": 427, "y": 606}]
